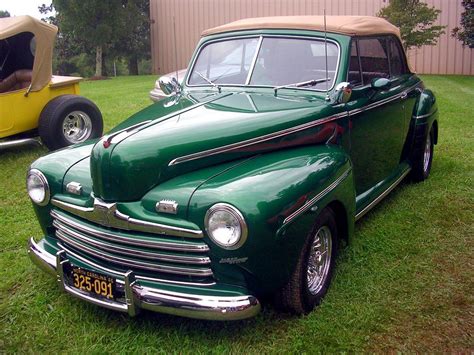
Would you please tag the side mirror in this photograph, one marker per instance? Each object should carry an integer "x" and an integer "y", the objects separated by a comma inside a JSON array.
[
  {"x": 380, "y": 83},
  {"x": 342, "y": 93},
  {"x": 169, "y": 85}
]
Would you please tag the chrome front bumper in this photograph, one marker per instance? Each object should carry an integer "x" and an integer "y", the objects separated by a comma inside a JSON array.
[{"x": 163, "y": 301}]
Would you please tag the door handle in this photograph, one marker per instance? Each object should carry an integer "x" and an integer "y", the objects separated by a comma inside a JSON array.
[{"x": 404, "y": 95}]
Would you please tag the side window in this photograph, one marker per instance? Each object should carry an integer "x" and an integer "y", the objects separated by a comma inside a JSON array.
[
  {"x": 397, "y": 63},
  {"x": 374, "y": 58},
  {"x": 354, "y": 76}
]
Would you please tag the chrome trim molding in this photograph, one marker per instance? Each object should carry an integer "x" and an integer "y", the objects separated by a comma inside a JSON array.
[
  {"x": 426, "y": 115},
  {"x": 6, "y": 144},
  {"x": 254, "y": 61},
  {"x": 107, "y": 214},
  {"x": 381, "y": 196},
  {"x": 253, "y": 141},
  {"x": 139, "y": 297},
  {"x": 136, "y": 240},
  {"x": 384, "y": 101},
  {"x": 64, "y": 233},
  {"x": 138, "y": 277},
  {"x": 261, "y": 37},
  {"x": 168, "y": 269},
  {"x": 319, "y": 196}
]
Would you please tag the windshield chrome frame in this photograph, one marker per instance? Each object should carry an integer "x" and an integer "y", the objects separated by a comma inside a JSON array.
[{"x": 254, "y": 61}]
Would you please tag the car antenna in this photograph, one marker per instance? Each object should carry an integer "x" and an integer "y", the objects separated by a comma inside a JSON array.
[
  {"x": 175, "y": 49},
  {"x": 326, "y": 55}
]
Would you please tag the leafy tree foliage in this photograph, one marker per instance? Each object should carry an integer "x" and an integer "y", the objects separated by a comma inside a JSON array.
[
  {"x": 95, "y": 25},
  {"x": 4, "y": 13},
  {"x": 134, "y": 45},
  {"x": 465, "y": 33},
  {"x": 415, "y": 20}
]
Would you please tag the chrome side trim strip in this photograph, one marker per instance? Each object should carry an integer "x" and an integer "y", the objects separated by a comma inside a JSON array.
[
  {"x": 381, "y": 196},
  {"x": 154, "y": 299},
  {"x": 253, "y": 141},
  {"x": 177, "y": 270},
  {"x": 79, "y": 237},
  {"x": 384, "y": 101},
  {"x": 319, "y": 196},
  {"x": 136, "y": 241},
  {"x": 426, "y": 115},
  {"x": 107, "y": 214}
]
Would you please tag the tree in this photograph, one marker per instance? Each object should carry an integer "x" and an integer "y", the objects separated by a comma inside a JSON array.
[
  {"x": 135, "y": 43},
  {"x": 415, "y": 20},
  {"x": 93, "y": 24},
  {"x": 466, "y": 33},
  {"x": 4, "y": 13}
]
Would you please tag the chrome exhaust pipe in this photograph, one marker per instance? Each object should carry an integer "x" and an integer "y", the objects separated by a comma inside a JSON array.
[{"x": 18, "y": 142}]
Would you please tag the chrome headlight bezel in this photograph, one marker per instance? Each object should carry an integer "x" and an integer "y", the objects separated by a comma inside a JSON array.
[
  {"x": 45, "y": 185},
  {"x": 235, "y": 213}
]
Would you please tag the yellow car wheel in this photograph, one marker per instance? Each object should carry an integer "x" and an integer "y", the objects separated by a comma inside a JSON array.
[{"x": 69, "y": 119}]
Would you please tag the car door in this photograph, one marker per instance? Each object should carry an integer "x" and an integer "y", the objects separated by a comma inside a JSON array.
[{"x": 377, "y": 117}]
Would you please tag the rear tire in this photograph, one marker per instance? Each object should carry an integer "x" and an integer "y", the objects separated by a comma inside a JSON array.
[
  {"x": 69, "y": 119},
  {"x": 313, "y": 273},
  {"x": 423, "y": 158}
]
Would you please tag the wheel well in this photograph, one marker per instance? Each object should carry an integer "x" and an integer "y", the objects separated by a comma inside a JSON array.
[
  {"x": 435, "y": 132},
  {"x": 341, "y": 219}
]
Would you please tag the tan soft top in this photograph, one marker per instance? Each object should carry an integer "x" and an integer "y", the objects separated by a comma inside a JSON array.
[
  {"x": 45, "y": 35},
  {"x": 348, "y": 25}
]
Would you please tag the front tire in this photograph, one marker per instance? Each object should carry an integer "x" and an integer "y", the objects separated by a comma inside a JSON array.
[
  {"x": 311, "y": 279},
  {"x": 423, "y": 158},
  {"x": 69, "y": 119}
]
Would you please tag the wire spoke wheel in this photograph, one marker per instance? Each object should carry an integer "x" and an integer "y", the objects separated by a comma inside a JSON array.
[
  {"x": 77, "y": 127},
  {"x": 319, "y": 260}
]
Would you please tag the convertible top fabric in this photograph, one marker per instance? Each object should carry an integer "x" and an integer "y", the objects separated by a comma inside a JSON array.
[
  {"x": 348, "y": 25},
  {"x": 45, "y": 35}
]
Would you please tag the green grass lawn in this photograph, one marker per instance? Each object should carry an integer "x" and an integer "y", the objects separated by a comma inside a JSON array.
[{"x": 405, "y": 283}]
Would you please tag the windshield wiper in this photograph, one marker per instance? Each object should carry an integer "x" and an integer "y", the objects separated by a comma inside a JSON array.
[
  {"x": 209, "y": 81},
  {"x": 301, "y": 84}
]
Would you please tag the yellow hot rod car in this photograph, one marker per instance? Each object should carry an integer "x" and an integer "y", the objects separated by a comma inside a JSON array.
[{"x": 33, "y": 101}]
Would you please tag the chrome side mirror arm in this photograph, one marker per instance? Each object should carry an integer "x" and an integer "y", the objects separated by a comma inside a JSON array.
[
  {"x": 169, "y": 85},
  {"x": 342, "y": 93}
]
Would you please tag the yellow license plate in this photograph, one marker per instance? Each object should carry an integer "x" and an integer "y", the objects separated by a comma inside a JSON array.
[{"x": 94, "y": 283}]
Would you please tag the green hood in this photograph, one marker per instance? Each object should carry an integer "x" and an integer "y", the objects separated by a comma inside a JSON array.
[{"x": 176, "y": 136}]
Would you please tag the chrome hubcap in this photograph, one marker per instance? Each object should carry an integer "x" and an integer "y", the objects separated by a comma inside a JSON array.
[
  {"x": 427, "y": 154},
  {"x": 319, "y": 260},
  {"x": 77, "y": 127}
]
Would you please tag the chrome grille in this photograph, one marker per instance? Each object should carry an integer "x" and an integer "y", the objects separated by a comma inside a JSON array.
[{"x": 163, "y": 256}]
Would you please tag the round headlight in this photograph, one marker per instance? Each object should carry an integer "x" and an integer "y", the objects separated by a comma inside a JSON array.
[
  {"x": 37, "y": 186},
  {"x": 226, "y": 226}
]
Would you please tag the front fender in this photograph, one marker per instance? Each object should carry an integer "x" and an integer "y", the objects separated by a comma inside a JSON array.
[{"x": 279, "y": 195}]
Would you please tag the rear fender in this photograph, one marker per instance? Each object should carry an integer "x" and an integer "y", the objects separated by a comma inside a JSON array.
[{"x": 279, "y": 195}]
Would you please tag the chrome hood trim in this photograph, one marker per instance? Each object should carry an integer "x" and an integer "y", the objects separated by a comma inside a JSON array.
[{"x": 107, "y": 214}]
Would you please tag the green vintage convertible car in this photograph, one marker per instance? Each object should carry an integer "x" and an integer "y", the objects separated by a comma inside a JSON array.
[{"x": 240, "y": 186}]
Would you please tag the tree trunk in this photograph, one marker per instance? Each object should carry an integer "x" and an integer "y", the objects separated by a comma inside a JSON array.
[
  {"x": 133, "y": 65},
  {"x": 98, "y": 61}
]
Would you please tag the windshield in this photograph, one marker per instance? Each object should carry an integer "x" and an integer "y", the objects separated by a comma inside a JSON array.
[{"x": 277, "y": 61}]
